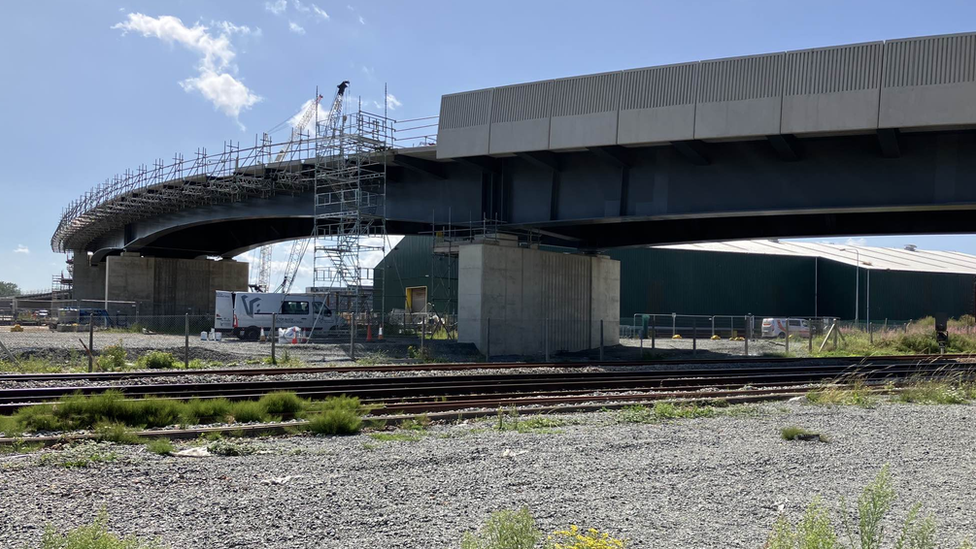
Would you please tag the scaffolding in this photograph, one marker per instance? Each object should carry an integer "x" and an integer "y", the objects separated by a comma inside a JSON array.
[{"x": 349, "y": 211}]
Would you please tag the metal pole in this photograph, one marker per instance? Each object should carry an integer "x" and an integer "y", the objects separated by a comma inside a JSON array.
[
  {"x": 488, "y": 342},
  {"x": 352, "y": 327},
  {"x": 653, "y": 331},
  {"x": 274, "y": 336},
  {"x": 601, "y": 339},
  {"x": 787, "y": 335},
  {"x": 867, "y": 304},
  {"x": 713, "y": 326},
  {"x": 674, "y": 323},
  {"x": 746, "y": 338},
  {"x": 91, "y": 339},
  {"x": 186, "y": 340},
  {"x": 810, "y": 336},
  {"x": 694, "y": 338}
]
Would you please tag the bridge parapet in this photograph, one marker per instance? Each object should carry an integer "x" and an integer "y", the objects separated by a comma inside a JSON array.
[{"x": 909, "y": 83}]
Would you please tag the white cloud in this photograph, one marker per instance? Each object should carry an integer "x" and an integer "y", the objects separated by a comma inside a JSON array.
[
  {"x": 278, "y": 7},
  {"x": 230, "y": 28},
  {"x": 299, "y": 6},
  {"x": 215, "y": 83},
  {"x": 295, "y": 28},
  {"x": 856, "y": 242},
  {"x": 392, "y": 103},
  {"x": 361, "y": 20},
  {"x": 320, "y": 12},
  {"x": 350, "y": 8},
  {"x": 21, "y": 249}
]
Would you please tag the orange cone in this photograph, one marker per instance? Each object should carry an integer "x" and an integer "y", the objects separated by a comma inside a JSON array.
[
  {"x": 369, "y": 332},
  {"x": 294, "y": 338}
]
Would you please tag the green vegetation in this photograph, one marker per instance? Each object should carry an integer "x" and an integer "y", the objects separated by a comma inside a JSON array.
[
  {"x": 423, "y": 354},
  {"x": 917, "y": 338},
  {"x": 285, "y": 359},
  {"x": 417, "y": 423},
  {"x": 223, "y": 447},
  {"x": 20, "y": 446},
  {"x": 161, "y": 446},
  {"x": 338, "y": 416},
  {"x": 158, "y": 360},
  {"x": 863, "y": 528},
  {"x": 938, "y": 391},
  {"x": 508, "y": 420},
  {"x": 852, "y": 392},
  {"x": 798, "y": 433},
  {"x": 8, "y": 289},
  {"x": 92, "y": 536},
  {"x": 111, "y": 414},
  {"x": 398, "y": 436},
  {"x": 374, "y": 358},
  {"x": 663, "y": 411},
  {"x": 35, "y": 365},
  {"x": 504, "y": 530},
  {"x": 112, "y": 358},
  {"x": 78, "y": 456},
  {"x": 200, "y": 364}
]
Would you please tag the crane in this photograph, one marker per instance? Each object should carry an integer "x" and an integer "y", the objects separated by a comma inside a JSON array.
[{"x": 299, "y": 247}]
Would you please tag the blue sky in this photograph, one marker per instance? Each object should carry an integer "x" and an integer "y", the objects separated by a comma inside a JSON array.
[{"x": 93, "y": 88}]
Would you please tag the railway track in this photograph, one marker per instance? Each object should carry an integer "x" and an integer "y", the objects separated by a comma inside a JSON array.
[
  {"x": 453, "y": 392},
  {"x": 272, "y": 371}
]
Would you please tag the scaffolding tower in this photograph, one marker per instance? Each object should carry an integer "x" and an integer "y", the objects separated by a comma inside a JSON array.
[{"x": 349, "y": 217}]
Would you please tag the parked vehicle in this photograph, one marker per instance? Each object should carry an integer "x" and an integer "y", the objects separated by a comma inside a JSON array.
[
  {"x": 224, "y": 312},
  {"x": 253, "y": 310},
  {"x": 776, "y": 327}
]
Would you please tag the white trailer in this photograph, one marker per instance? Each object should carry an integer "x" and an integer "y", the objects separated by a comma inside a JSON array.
[{"x": 253, "y": 310}]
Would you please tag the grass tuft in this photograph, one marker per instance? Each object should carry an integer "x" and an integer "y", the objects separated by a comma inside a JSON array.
[
  {"x": 247, "y": 411},
  {"x": 112, "y": 358},
  {"x": 92, "y": 536},
  {"x": 282, "y": 402},
  {"x": 161, "y": 446},
  {"x": 798, "y": 433},
  {"x": 117, "y": 433},
  {"x": 845, "y": 393},
  {"x": 505, "y": 529},
  {"x": 158, "y": 360}
]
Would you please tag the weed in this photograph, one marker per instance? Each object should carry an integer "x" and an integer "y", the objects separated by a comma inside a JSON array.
[
  {"x": 337, "y": 421},
  {"x": 282, "y": 402},
  {"x": 872, "y": 506},
  {"x": 417, "y": 423},
  {"x": 37, "y": 418},
  {"x": 373, "y": 359},
  {"x": 228, "y": 448},
  {"x": 200, "y": 364},
  {"x": 9, "y": 427},
  {"x": 854, "y": 393},
  {"x": 112, "y": 358},
  {"x": 20, "y": 446},
  {"x": 409, "y": 436},
  {"x": 662, "y": 411},
  {"x": 78, "y": 456},
  {"x": 161, "y": 446},
  {"x": 197, "y": 411},
  {"x": 247, "y": 411},
  {"x": 918, "y": 532},
  {"x": 286, "y": 359},
  {"x": 369, "y": 447},
  {"x": 157, "y": 360},
  {"x": 504, "y": 530},
  {"x": 935, "y": 392},
  {"x": 117, "y": 433},
  {"x": 576, "y": 538},
  {"x": 799, "y": 433},
  {"x": 92, "y": 536},
  {"x": 423, "y": 354}
]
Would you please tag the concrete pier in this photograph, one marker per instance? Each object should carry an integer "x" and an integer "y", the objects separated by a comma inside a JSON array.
[
  {"x": 158, "y": 286},
  {"x": 519, "y": 296}
]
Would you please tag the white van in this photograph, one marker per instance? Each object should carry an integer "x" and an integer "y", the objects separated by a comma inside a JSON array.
[
  {"x": 224, "y": 312},
  {"x": 252, "y": 312},
  {"x": 776, "y": 327}
]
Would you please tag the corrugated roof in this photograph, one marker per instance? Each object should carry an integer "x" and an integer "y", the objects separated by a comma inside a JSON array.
[{"x": 895, "y": 259}]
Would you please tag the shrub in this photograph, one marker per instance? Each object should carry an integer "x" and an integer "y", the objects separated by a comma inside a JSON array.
[
  {"x": 504, "y": 530},
  {"x": 157, "y": 360},
  {"x": 92, "y": 536},
  {"x": 575, "y": 538},
  {"x": 336, "y": 421},
  {"x": 161, "y": 446},
  {"x": 247, "y": 411},
  {"x": 282, "y": 402},
  {"x": 933, "y": 392},
  {"x": 38, "y": 418},
  {"x": 112, "y": 358},
  {"x": 798, "y": 433},
  {"x": 116, "y": 432},
  {"x": 198, "y": 410},
  {"x": 227, "y": 448}
]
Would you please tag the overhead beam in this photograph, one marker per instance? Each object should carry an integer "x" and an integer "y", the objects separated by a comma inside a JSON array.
[
  {"x": 419, "y": 165},
  {"x": 613, "y": 155},
  {"x": 694, "y": 151},
  {"x": 787, "y": 147},
  {"x": 542, "y": 159},
  {"x": 888, "y": 140},
  {"x": 483, "y": 163}
]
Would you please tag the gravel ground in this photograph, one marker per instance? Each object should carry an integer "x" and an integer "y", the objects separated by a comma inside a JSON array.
[{"x": 716, "y": 482}]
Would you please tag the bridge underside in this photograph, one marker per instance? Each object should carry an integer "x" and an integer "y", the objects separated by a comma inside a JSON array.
[{"x": 611, "y": 197}]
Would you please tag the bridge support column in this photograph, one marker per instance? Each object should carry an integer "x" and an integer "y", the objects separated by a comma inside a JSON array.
[
  {"x": 519, "y": 288},
  {"x": 157, "y": 286}
]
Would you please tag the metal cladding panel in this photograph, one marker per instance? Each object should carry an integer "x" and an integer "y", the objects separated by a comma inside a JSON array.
[
  {"x": 584, "y": 111},
  {"x": 520, "y": 118},
  {"x": 832, "y": 89},
  {"x": 740, "y": 97},
  {"x": 410, "y": 264},
  {"x": 929, "y": 81},
  {"x": 654, "y": 280},
  {"x": 657, "y": 104},
  {"x": 463, "y": 127}
]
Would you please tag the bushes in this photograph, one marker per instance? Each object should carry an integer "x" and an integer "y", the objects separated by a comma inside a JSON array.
[
  {"x": 282, "y": 402},
  {"x": 247, "y": 411},
  {"x": 196, "y": 411},
  {"x": 112, "y": 358},
  {"x": 504, "y": 530},
  {"x": 340, "y": 416},
  {"x": 157, "y": 360},
  {"x": 161, "y": 446},
  {"x": 816, "y": 531},
  {"x": 92, "y": 536}
]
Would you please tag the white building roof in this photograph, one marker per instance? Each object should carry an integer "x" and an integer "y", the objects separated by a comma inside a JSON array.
[{"x": 895, "y": 259}]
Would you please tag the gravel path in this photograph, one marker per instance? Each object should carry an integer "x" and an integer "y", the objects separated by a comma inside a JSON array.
[{"x": 716, "y": 482}]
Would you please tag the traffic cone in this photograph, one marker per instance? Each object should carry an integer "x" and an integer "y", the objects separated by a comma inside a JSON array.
[
  {"x": 369, "y": 332},
  {"x": 294, "y": 338}
]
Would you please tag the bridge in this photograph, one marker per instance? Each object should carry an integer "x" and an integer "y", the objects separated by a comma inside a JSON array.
[{"x": 867, "y": 138}]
